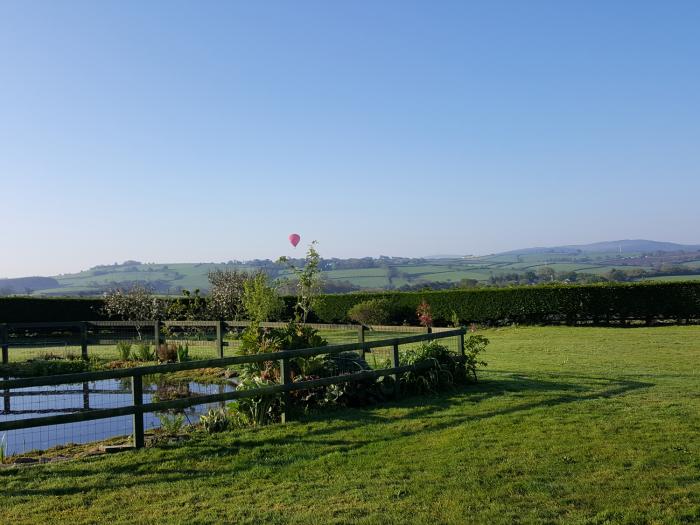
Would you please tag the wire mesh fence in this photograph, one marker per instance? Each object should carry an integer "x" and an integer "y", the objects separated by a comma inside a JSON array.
[
  {"x": 99, "y": 394},
  {"x": 41, "y": 401}
]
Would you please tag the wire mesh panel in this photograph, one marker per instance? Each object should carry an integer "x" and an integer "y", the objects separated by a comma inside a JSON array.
[
  {"x": 36, "y": 342},
  {"x": 108, "y": 340},
  {"x": 33, "y": 402},
  {"x": 197, "y": 339}
]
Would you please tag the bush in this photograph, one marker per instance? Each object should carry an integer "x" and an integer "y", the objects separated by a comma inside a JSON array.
[
  {"x": 445, "y": 372},
  {"x": 371, "y": 312},
  {"x": 215, "y": 420}
]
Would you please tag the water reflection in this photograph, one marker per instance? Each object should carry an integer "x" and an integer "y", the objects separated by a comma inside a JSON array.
[{"x": 23, "y": 403}]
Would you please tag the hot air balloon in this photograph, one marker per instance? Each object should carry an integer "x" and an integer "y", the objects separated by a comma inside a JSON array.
[{"x": 294, "y": 238}]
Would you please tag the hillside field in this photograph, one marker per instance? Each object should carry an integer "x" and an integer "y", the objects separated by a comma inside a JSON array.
[
  {"x": 566, "y": 425},
  {"x": 173, "y": 277}
]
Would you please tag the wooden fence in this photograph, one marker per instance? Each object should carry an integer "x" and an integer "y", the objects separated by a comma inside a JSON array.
[
  {"x": 87, "y": 333},
  {"x": 138, "y": 408}
]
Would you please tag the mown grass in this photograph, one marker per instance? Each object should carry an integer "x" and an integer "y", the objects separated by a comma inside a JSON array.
[{"x": 569, "y": 425}]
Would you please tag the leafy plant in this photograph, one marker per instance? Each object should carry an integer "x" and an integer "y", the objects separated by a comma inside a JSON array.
[
  {"x": 3, "y": 448},
  {"x": 183, "y": 353},
  {"x": 260, "y": 300},
  {"x": 308, "y": 281},
  {"x": 143, "y": 352},
  {"x": 425, "y": 314},
  {"x": 473, "y": 346},
  {"x": 124, "y": 350},
  {"x": 171, "y": 424},
  {"x": 442, "y": 369},
  {"x": 192, "y": 306},
  {"x": 354, "y": 394},
  {"x": 215, "y": 420},
  {"x": 372, "y": 312},
  {"x": 255, "y": 411}
]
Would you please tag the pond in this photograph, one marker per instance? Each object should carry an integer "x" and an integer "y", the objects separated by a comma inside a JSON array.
[{"x": 23, "y": 403}]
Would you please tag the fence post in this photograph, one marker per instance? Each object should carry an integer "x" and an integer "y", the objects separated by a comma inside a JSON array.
[
  {"x": 220, "y": 338},
  {"x": 395, "y": 364},
  {"x": 137, "y": 399},
  {"x": 285, "y": 379},
  {"x": 361, "y": 337},
  {"x": 460, "y": 343},
  {"x": 156, "y": 335},
  {"x": 84, "y": 340},
  {"x": 5, "y": 345}
]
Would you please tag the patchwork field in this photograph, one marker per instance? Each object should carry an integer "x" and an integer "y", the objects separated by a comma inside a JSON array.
[{"x": 567, "y": 425}]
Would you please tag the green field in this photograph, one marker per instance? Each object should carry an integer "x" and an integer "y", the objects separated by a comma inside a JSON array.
[
  {"x": 672, "y": 278},
  {"x": 568, "y": 425},
  {"x": 385, "y": 274}
]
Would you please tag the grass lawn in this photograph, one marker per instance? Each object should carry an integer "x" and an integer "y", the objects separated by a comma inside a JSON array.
[{"x": 568, "y": 425}]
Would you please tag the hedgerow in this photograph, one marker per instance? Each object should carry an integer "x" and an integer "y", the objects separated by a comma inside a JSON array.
[{"x": 598, "y": 303}]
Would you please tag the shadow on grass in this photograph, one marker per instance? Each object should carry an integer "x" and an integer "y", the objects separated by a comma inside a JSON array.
[{"x": 296, "y": 443}]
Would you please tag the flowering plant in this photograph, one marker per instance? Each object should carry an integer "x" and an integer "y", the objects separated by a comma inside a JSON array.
[{"x": 425, "y": 316}]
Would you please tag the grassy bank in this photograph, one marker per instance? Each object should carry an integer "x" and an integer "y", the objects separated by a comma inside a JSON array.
[{"x": 569, "y": 425}]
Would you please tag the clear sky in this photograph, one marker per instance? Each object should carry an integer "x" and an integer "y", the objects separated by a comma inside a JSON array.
[{"x": 208, "y": 131}]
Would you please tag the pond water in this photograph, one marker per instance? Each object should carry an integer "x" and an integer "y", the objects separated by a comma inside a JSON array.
[{"x": 42, "y": 401}]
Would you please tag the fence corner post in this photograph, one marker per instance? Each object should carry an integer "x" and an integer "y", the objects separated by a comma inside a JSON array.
[
  {"x": 460, "y": 343},
  {"x": 220, "y": 327},
  {"x": 4, "y": 344},
  {"x": 84, "y": 340},
  {"x": 285, "y": 379},
  {"x": 137, "y": 398}
]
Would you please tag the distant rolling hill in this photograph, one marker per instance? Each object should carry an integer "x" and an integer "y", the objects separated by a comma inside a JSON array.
[
  {"x": 26, "y": 285},
  {"x": 650, "y": 259},
  {"x": 625, "y": 246}
]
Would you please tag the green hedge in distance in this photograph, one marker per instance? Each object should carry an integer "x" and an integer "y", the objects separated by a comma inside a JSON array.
[
  {"x": 526, "y": 304},
  {"x": 38, "y": 309}
]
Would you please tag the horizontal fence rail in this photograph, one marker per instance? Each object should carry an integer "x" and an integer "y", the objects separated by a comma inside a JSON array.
[
  {"x": 138, "y": 408},
  {"x": 208, "y": 334}
]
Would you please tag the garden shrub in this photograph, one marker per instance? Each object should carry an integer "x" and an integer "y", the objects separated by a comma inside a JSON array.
[
  {"x": 447, "y": 369},
  {"x": 371, "y": 312}
]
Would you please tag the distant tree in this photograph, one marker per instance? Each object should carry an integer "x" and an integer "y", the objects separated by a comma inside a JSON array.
[{"x": 617, "y": 275}]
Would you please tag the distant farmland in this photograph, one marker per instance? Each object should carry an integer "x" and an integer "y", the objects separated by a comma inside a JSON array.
[{"x": 377, "y": 274}]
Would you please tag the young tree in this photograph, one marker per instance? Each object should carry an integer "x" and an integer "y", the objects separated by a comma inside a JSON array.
[
  {"x": 308, "y": 281},
  {"x": 226, "y": 293},
  {"x": 260, "y": 300},
  {"x": 136, "y": 304}
]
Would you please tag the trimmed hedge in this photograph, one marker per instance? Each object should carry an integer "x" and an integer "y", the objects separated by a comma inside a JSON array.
[
  {"x": 38, "y": 309},
  {"x": 534, "y": 304},
  {"x": 527, "y": 304}
]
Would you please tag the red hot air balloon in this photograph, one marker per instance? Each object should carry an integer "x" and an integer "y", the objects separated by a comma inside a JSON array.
[{"x": 294, "y": 238}]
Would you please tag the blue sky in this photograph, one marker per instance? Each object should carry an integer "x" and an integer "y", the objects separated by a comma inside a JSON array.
[{"x": 208, "y": 131}]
